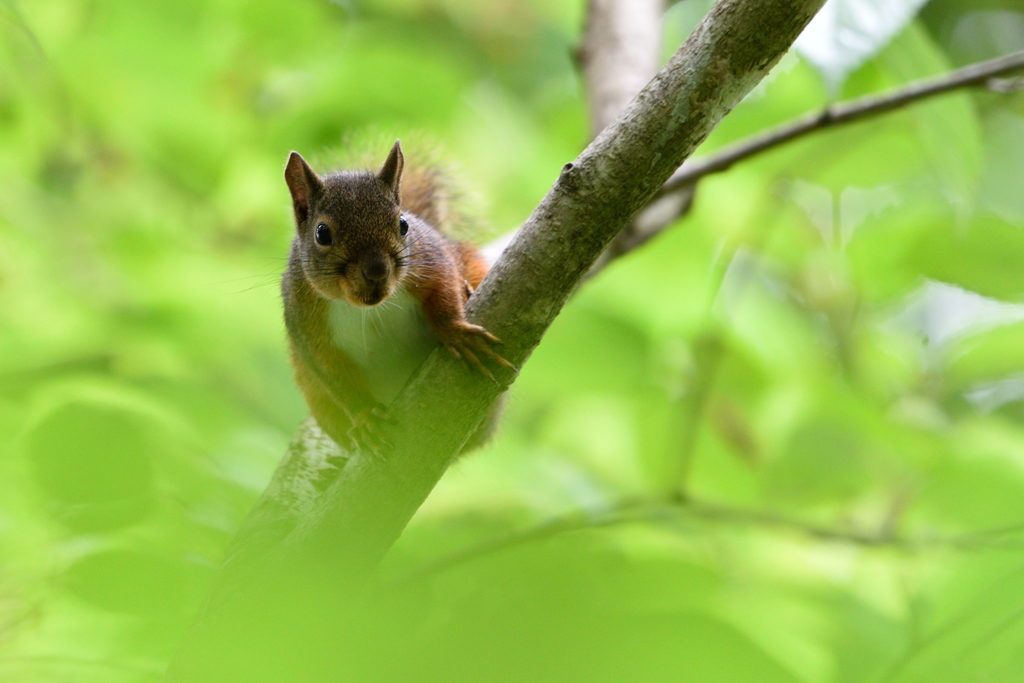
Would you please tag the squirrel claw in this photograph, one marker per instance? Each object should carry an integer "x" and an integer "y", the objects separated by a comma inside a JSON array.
[
  {"x": 365, "y": 434},
  {"x": 457, "y": 355},
  {"x": 499, "y": 360},
  {"x": 472, "y": 345},
  {"x": 471, "y": 357}
]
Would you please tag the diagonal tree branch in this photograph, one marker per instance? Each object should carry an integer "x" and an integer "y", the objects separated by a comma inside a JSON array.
[{"x": 318, "y": 567}]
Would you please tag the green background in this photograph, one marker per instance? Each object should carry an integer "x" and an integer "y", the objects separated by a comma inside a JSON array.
[{"x": 825, "y": 354}]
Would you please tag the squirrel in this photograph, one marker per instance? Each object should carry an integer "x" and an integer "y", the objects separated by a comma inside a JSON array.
[{"x": 371, "y": 287}]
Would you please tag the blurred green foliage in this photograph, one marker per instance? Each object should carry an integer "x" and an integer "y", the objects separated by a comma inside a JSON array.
[{"x": 828, "y": 352}]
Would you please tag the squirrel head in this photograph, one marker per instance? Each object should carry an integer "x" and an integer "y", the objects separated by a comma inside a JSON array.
[{"x": 352, "y": 237}]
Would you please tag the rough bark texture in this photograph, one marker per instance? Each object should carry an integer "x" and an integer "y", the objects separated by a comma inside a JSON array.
[{"x": 272, "y": 586}]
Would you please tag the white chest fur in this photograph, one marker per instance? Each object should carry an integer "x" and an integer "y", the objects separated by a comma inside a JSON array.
[{"x": 388, "y": 342}]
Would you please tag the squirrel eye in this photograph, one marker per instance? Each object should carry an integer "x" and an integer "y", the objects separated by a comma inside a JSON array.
[
  {"x": 403, "y": 226},
  {"x": 323, "y": 235}
]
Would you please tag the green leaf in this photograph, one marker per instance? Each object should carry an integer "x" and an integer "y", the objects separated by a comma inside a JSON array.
[
  {"x": 138, "y": 583},
  {"x": 982, "y": 256},
  {"x": 92, "y": 462},
  {"x": 947, "y": 126}
]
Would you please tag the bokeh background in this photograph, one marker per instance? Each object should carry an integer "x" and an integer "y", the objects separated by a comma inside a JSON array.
[{"x": 826, "y": 355}]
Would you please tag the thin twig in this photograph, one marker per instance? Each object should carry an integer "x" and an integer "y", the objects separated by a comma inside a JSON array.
[
  {"x": 654, "y": 509},
  {"x": 980, "y": 74},
  {"x": 572, "y": 521},
  {"x": 618, "y": 513},
  {"x": 986, "y": 538}
]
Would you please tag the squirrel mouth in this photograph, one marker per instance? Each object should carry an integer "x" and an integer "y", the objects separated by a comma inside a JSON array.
[
  {"x": 364, "y": 295},
  {"x": 374, "y": 296}
]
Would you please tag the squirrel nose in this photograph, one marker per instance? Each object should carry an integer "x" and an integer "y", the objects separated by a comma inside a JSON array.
[{"x": 375, "y": 271}]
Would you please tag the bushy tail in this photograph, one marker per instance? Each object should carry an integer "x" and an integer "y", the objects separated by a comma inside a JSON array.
[{"x": 426, "y": 192}]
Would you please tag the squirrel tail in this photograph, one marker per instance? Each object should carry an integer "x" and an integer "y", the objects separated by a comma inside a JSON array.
[
  {"x": 434, "y": 190},
  {"x": 427, "y": 192}
]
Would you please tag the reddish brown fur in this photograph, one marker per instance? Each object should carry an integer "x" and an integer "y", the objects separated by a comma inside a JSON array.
[
  {"x": 474, "y": 267},
  {"x": 362, "y": 211}
]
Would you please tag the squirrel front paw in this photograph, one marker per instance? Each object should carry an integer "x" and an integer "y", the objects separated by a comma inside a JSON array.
[
  {"x": 365, "y": 432},
  {"x": 468, "y": 342}
]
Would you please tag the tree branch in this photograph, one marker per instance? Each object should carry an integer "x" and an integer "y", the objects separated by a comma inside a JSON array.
[
  {"x": 971, "y": 76},
  {"x": 619, "y": 54},
  {"x": 662, "y": 509},
  {"x": 318, "y": 568},
  {"x": 678, "y": 191}
]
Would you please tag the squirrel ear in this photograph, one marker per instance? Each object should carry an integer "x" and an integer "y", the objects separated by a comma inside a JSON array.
[
  {"x": 303, "y": 183},
  {"x": 391, "y": 172}
]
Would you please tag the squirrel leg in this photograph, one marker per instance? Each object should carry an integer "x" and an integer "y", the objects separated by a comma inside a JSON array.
[{"x": 469, "y": 343}]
